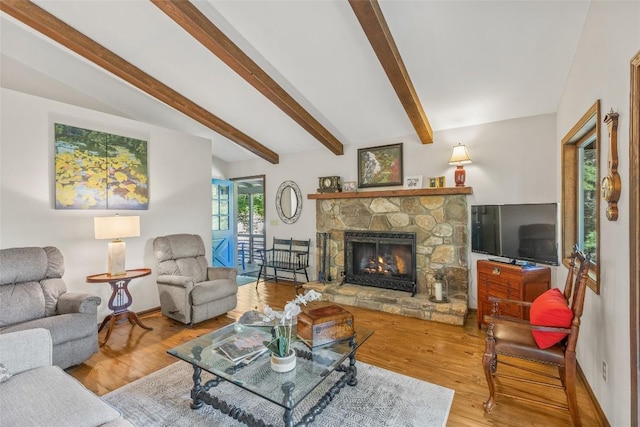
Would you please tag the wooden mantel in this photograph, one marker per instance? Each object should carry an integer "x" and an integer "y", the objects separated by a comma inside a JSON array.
[{"x": 446, "y": 191}]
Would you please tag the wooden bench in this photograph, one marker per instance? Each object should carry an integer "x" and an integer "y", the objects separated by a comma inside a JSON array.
[{"x": 285, "y": 255}]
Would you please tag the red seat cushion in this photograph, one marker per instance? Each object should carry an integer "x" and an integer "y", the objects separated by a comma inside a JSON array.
[{"x": 550, "y": 309}]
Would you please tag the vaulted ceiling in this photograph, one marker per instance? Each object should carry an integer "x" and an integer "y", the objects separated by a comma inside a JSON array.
[{"x": 267, "y": 78}]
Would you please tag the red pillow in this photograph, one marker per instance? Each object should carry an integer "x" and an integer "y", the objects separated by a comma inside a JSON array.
[{"x": 550, "y": 309}]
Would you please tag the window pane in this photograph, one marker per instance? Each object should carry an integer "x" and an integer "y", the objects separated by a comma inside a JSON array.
[
  {"x": 224, "y": 223},
  {"x": 224, "y": 208},
  {"x": 214, "y": 191},
  {"x": 215, "y": 223},
  {"x": 224, "y": 192},
  {"x": 588, "y": 192},
  {"x": 215, "y": 207}
]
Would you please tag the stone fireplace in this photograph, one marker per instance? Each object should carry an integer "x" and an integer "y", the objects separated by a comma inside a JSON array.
[
  {"x": 438, "y": 220},
  {"x": 380, "y": 259}
]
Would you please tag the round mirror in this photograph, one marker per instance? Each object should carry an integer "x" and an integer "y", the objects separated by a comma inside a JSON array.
[{"x": 289, "y": 202}]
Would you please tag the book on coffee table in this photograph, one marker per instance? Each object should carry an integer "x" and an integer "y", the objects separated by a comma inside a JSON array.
[{"x": 243, "y": 345}]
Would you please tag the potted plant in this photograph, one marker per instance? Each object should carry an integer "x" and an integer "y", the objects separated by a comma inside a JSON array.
[{"x": 283, "y": 357}]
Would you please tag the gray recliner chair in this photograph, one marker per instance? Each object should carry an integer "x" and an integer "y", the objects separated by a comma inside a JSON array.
[
  {"x": 190, "y": 290},
  {"x": 33, "y": 295}
]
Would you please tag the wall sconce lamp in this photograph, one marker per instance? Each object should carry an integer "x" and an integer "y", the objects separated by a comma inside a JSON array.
[
  {"x": 116, "y": 227},
  {"x": 459, "y": 157}
]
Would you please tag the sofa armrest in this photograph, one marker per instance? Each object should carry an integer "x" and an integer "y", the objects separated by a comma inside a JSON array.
[
  {"x": 24, "y": 350},
  {"x": 180, "y": 281},
  {"x": 215, "y": 273},
  {"x": 72, "y": 302}
]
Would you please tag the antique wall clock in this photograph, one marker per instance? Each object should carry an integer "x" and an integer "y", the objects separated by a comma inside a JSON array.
[{"x": 611, "y": 184}]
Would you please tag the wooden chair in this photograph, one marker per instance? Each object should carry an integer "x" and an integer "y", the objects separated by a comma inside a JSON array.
[{"x": 513, "y": 338}]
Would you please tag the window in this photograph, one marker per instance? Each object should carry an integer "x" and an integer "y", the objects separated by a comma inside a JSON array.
[
  {"x": 219, "y": 207},
  {"x": 588, "y": 196},
  {"x": 580, "y": 191}
]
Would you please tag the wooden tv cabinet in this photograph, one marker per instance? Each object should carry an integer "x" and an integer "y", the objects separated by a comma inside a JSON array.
[{"x": 504, "y": 280}]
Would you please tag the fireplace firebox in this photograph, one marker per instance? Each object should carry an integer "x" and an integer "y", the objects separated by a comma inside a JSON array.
[{"x": 381, "y": 259}]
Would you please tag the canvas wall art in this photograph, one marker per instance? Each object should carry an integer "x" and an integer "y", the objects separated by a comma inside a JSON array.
[{"x": 99, "y": 170}]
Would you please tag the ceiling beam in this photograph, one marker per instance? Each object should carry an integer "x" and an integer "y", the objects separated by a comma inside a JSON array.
[
  {"x": 375, "y": 27},
  {"x": 194, "y": 22},
  {"x": 52, "y": 27}
]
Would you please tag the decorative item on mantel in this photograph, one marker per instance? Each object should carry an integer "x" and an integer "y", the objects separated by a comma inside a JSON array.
[
  {"x": 349, "y": 186},
  {"x": 459, "y": 157},
  {"x": 440, "y": 288},
  {"x": 283, "y": 357},
  {"x": 329, "y": 184}
]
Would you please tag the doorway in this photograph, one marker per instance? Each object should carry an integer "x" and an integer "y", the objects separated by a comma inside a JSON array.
[
  {"x": 634, "y": 228},
  {"x": 250, "y": 224}
]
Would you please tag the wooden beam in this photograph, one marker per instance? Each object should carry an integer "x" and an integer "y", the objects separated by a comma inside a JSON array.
[
  {"x": 199, "y": 27},
  {"x": 375, "y": 27},
  {"x": 52, "y": 27}
]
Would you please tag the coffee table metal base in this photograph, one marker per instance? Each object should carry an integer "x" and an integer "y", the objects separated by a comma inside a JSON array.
[{"x": 200, "y": 395}]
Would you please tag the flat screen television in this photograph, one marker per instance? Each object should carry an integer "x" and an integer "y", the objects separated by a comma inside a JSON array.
[{"x": 523, "y": 233}]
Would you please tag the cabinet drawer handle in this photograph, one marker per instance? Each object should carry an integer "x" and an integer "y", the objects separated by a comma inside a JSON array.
[{"x": 496, "y": 271}]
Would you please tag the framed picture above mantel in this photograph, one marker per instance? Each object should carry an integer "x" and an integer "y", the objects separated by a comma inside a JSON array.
[{"x": 380, "y": 166}]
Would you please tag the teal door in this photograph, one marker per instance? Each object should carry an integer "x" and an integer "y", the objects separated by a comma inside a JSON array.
[{"x": 222, "y": 232}]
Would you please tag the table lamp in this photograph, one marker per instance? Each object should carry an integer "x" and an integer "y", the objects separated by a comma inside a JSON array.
[
  {"x": 116, "y": 227},
  {"x": 459, "y": 157}
]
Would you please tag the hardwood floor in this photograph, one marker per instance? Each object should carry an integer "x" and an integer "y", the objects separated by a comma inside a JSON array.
[{"x": 448, "y": 355}]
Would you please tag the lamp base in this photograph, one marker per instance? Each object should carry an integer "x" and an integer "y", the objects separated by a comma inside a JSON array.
[
  {"x": 459, "y": 176},
  {"x": 117, "y": 250}
]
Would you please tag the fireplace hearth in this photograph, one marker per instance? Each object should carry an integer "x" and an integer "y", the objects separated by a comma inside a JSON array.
[{"x": 381, "y": 259}]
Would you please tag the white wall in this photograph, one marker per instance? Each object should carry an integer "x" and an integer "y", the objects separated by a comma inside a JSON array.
[
  {"x": 179, "y": 188},
  {"x": 600, "y": 70},
  {"x": 514, "y": 161}
]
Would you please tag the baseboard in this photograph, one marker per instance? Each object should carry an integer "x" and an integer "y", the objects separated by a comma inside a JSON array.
[
  {"x": 601, "y": 417},
  {"x": 144, "y": 312},
  {"x": 148, "y": 311}
]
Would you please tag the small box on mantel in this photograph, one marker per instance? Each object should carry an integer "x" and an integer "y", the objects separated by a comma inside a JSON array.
[{"x": 320, "y": 324}]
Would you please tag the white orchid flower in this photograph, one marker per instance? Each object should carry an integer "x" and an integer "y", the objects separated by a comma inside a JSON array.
[
  {"x": 312, "y": 295},
  {"x": 270, "y": 314},
  {"x": 291, "y": 310}
]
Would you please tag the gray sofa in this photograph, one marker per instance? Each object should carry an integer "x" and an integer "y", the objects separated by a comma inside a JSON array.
[
  {"x": 33, "y": 392},
  {"x": 33, "y": 295},
  {"x": 190, "y": 291}
]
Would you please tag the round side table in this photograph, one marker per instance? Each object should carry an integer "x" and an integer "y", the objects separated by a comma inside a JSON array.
[{"x": 120, "y": 298}]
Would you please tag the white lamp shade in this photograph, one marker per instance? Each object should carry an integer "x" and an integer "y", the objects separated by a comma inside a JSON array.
[
  {"x": 460, "y": 155},
  {"x": 116, "y": 227}
]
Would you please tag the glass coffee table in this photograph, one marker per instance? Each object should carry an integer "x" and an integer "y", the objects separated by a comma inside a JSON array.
[{"x": 287, "y": 389}]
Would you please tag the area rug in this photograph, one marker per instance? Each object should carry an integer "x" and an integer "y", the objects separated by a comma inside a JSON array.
[
  {"x": 381, "y": 398},
  {"x": 245, "y": 280}
]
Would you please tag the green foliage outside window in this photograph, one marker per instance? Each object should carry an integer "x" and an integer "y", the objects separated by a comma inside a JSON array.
[
  {"x": 243, "y": 210},
  {"x": 590, "y": 198}
]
